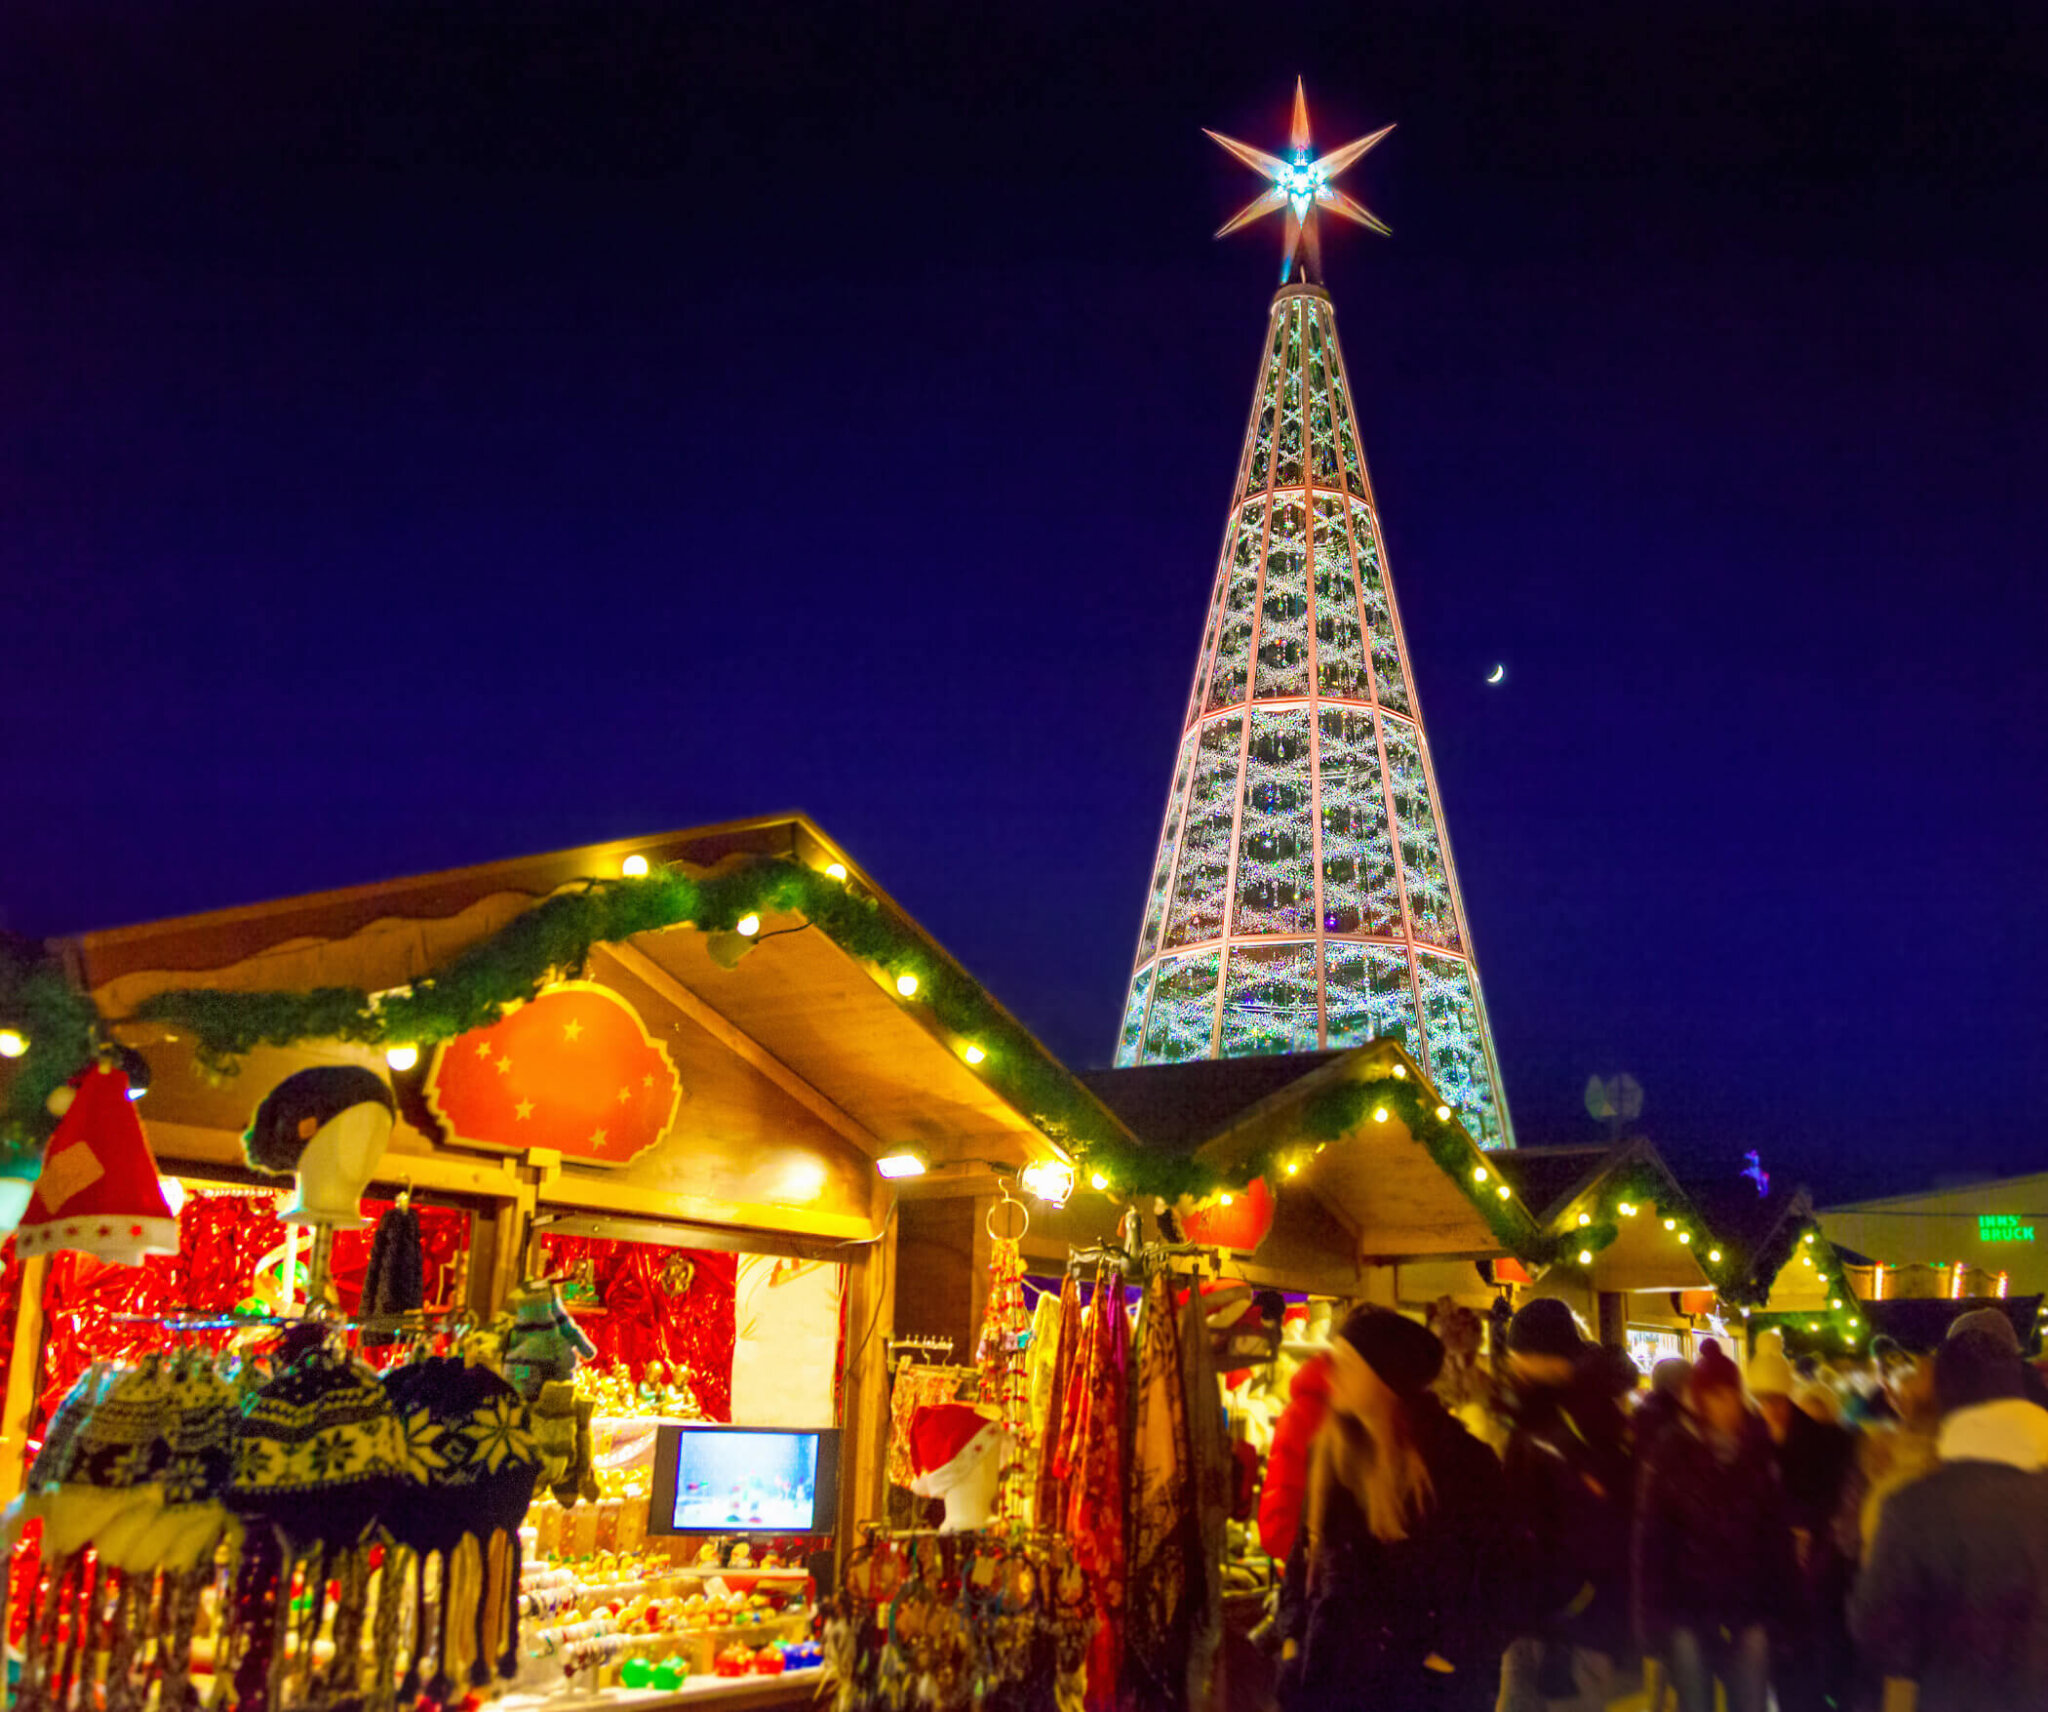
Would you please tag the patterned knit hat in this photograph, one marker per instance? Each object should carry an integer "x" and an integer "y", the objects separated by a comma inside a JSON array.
[
  {"x": 294, "y": 1111},
  {"x": 316, "y": 1451},
  {"x": 468, "y": 1457},
  {"x": 99, "y": 1191}
]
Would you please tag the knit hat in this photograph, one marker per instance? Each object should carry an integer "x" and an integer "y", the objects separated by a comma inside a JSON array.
[
  {"x": 1977, "y": 1367},
  {"x": 316, "y": 1451},
  {"x": 1770, "y": 1375},
  {"x": 467, "y": 1458},
  {"x": 102, "y": 1473},
  {"x": 943, "y": 1435},
  {"x": 1668, "y": 1377},
  {"x": 1994, "y": 1323},
  {"x": 468, "y": 1464},
  {"x": 1544, "y": 1327},
  {"x": 1406, "y": 1356},
  {"x": 300, "y": 1106},
  {"x": 98, "y": 1191},
  {"x": 1712, "y": 1371}
]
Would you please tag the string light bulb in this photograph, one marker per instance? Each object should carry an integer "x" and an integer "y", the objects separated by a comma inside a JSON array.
[
  {"x": 401, "y": 1057},
  {"x": 1379, "y": 1114},
  {"x": 1503, "y": 1191},
  {"x": 1671, "y": 1224},
  {"x": 973, "y": 1054},
  {"x": 1585, "y": 1257},
  {"x": 1224, "y": 1199},
  {"x": 1626, "y": 1210},
  {"x": 835, "y": 870},
  {"x": 1294, "y": 1168},
  {"x": 1685, "y": 1236},
  {"x": 747, "y": 926},
  {"x": 1097, "y": 1181},
  {"x": 634, "y": 867},
  {"x": 1584, "y": 1220},
  {"x": 1479, "y": 1174},
  {"x": 1713, "y": 1254},
  {"x": 1443, "y": 1114},
  {"x": 1400, "y": 1072},
  {"x": 907, "y": 986},
  {"x": 13, "y": 1043}
]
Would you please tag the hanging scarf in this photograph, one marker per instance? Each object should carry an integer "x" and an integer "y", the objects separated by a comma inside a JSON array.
[
  {"x": 1162, "y": 1531},
  {"x": 1209, "y": 1478},
  {"x": 1000, "y": 1356},
  {"x": 1050, "y": 1497},
  {"x": 1094, "y": 1509}
]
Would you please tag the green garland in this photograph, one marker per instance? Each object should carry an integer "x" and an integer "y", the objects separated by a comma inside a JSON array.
[
  {"x": 1848, "y": 1320},
  {"x": 38, "y": 1000}
]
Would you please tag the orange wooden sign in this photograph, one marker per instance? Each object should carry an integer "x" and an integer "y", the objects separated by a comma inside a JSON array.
[{"x": 574, "y": 1070}]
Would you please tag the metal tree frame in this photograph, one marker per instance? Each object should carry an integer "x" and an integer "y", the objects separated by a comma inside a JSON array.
[{"x": 1304, "y": 895}]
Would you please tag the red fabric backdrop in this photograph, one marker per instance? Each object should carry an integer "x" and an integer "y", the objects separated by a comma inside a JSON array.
[{"x": 643, "y": 1318}]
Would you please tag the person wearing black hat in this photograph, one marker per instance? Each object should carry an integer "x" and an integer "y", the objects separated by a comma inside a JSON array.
[
  {"x": 1394, "y": 1573},
  {"x": 1569, "y": 1497},
  {"x": 1954, "y": 1591}
]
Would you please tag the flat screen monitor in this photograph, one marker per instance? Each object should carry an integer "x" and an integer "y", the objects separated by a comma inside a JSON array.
[{"x": 744, "y": 1480}]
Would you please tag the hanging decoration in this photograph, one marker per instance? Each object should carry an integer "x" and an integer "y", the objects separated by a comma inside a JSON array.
[
  {"x": 635, "y": 1320},
  {"x": 1238, "y": 1220},
  {"x": 574, "y": 1070}
]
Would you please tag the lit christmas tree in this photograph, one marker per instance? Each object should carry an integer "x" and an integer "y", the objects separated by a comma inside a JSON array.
[{"x": 1303, "y": 895}]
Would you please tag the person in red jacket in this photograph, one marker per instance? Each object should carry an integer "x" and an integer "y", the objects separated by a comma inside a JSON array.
[{"x": 1294, "y": 1437}]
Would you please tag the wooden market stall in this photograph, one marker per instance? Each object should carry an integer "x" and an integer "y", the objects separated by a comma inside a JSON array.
[{"x": 776, "y": 1028}]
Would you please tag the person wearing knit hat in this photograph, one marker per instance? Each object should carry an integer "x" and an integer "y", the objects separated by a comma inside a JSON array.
[
  {"x": 1394, "y": 1591},
  {"x": 1952, "y": 1596},
  {"x": 1570, "y": 1486},
  {"x": 1997, "y": 1325},
  {"x": 1714, "y": 1567},
  {"x": 1815, "y": 1460}
]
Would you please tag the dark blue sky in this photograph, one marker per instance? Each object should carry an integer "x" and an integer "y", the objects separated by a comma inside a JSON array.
[{"x": 432, "y": 434}]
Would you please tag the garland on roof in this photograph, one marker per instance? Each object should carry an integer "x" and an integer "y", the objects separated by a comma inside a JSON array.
[{"x": 1844, "y": 1315}]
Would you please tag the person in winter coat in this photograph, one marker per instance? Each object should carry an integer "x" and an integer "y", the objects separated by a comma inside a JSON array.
[
  {"x": 1395, "y": 1570},
  {"x": 1713, "y": 1549},
  {"x": 1569, "y": 1496},
  {"x": 1663, "y": 1408},
  {"x": 1294, "y": 1437},
  {"x": 1954, "y": 1593},
  {"x": 1814, "y": 1463}
]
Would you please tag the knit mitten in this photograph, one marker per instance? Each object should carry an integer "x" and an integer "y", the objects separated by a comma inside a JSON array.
[
  {"x": 554, "y": 1426},
  {"x": 580, "y": 1478}
]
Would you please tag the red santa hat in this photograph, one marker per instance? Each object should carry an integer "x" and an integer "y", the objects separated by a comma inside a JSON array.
[
  {"x": 99, "y": 1190},
  {"x": 946, "y": 1441}
]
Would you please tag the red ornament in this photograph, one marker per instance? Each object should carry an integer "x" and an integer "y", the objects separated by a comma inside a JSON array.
[
  {"x": 1241, "y": 1226},
  {"x": 574, "y": 1070}
]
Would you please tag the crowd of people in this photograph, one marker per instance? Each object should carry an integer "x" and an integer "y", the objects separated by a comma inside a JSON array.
[{"x": 1803, "y": 1540}]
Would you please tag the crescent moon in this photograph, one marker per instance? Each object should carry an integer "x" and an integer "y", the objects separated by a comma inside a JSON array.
[{"x": 1498, "y": 673}]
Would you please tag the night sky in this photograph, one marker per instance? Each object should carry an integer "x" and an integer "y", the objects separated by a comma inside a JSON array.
[{"x": 437, "y": 433}]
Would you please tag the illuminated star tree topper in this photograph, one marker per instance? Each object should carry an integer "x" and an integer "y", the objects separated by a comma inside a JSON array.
[{"x": 1302, "y": 186}]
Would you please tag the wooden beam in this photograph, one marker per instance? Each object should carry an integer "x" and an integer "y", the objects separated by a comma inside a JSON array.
[
  {"x": 742, "y": 1045},
  {"x": 864, "y": 1404},
  {"x": 24, "y": 1377}
]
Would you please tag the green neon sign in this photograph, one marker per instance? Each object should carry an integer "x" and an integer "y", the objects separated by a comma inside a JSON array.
[{"x": 2003, "y": 1227}]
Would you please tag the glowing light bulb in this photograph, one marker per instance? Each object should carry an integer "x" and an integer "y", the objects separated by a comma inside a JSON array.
[
  {"x": 401, "y": 1057},
  {"x": 1713, "y": 1254},
  {"x": 906, "y": 1163},
  {"x": 747, "y": 926},
  {"x": 1813, "y": 1325},
  {"x": 1854, "y": 1323},
  {"x": 1480, "y": 1174},
  {"x": 907, "y": 986},
  {"x": 1685, "y": 1236},
  {"x": 1671, "y": 1224},
  {"x": 1097, "y": 1181},
  {"x": 1400, "y": 1072},
  {"x": 835, "y": 870},
  {"x": 1585, "y": 1219},
  {"x": 1224, "y": 1200},
  {"x": 1809, "y": 1236},
  {"x": 1626, "y": 1211},
  {"x": 1379, "y": 1114},
  {"x": 1051, "y": 1180},
  {"x": 1585, "y": 1257},
  {"x": 1835, "y": 1303},
  {"x": 1294, "y": 1168},
  {"x": 1443, "y": 1114},
  {"x": 633, "y": 867},
  {"x": 13, "y": 1043},
  {"x": 1504, "y": 1191},
  {"x": 974, "y": 1055}
]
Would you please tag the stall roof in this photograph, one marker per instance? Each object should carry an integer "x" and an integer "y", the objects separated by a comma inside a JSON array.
[
  {"x": 821, "y": 1036},
  {"x": 1178, "y": 1107}
]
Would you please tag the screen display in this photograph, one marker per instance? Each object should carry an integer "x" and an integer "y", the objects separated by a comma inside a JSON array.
[{"x": 712, "y": 1480}]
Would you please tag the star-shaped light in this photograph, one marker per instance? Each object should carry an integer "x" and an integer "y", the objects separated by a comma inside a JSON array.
[{"x": 1302, "y": 186}]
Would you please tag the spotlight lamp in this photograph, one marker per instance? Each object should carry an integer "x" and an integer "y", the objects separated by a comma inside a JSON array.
[
  {"x": 1051, "y": 1180},
  {"x": 903, "y": 1162}
]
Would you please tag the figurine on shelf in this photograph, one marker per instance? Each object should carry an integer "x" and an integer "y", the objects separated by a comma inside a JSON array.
[
  {"x": 708, "y": 1554},
  {"x": 579, "y": 1289},
  {"x": 742, "y": 1556}
]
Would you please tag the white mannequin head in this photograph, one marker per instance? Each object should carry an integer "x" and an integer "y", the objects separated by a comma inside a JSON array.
[
  {"x": 968, "y": 1482},
  {"x": 337, "y": 1166}
]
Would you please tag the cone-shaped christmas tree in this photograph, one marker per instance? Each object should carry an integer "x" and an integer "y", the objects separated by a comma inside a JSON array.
[{"x": 1303, "y": 895}]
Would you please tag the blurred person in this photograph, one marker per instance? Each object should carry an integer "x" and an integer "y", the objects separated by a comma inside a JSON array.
[
  {"x": 1397, "y": 1572},
  {"x": 1814, "y": 1462},
  {"x": 1995, "y": 1324},
  {"x": 1663, "y": 1407},
  {"x": 1869, "y": 1397},
  {"x": 1569, "y": 1479},
  {"x": 1285, "y": 1487},
  {"x": 1954, "y": 1595},
  {"x": 1713, "y": 1549}
]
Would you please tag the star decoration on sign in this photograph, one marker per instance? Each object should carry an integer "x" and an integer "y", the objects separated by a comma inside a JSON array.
[{"x": 1303, "y": 187}]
